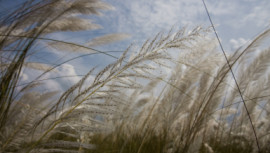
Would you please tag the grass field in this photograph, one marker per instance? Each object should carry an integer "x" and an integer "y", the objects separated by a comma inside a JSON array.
[{"x": 133, "y": 105}]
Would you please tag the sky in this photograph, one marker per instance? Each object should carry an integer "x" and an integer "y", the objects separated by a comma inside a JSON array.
[{"x": 236, "y": 21}]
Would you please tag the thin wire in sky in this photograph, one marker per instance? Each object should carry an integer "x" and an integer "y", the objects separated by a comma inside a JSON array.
[{"x": 253, "y": 128}]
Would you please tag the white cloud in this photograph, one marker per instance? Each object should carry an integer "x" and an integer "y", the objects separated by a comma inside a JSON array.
[
  {"x": 258, "y": 15},
  {"x": 24, "y": 77},
  {"x": 46, "y": 85},
  {"x": 236, "y": 43},
  {"x": 163, "y": 14},
  {"x": 61, "y": 80},
  {"x": 143, "y": 19},
  {"x": 69, "y": 70},
  {"x": 221, "y": 8},
  {"x": 69, "y": 76}
]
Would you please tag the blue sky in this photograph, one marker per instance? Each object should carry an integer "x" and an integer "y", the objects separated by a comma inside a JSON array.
[{"x": 236, "y": 21}]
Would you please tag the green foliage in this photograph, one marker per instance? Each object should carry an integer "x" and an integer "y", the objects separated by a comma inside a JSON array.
[{"x": 120, "y": 142}]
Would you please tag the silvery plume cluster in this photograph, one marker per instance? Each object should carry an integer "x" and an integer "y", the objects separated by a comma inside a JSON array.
[{"x": 145, "y": 101}]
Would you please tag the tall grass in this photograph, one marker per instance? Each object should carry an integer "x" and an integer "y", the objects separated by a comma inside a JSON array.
[{"x": 130, "y": 106}]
